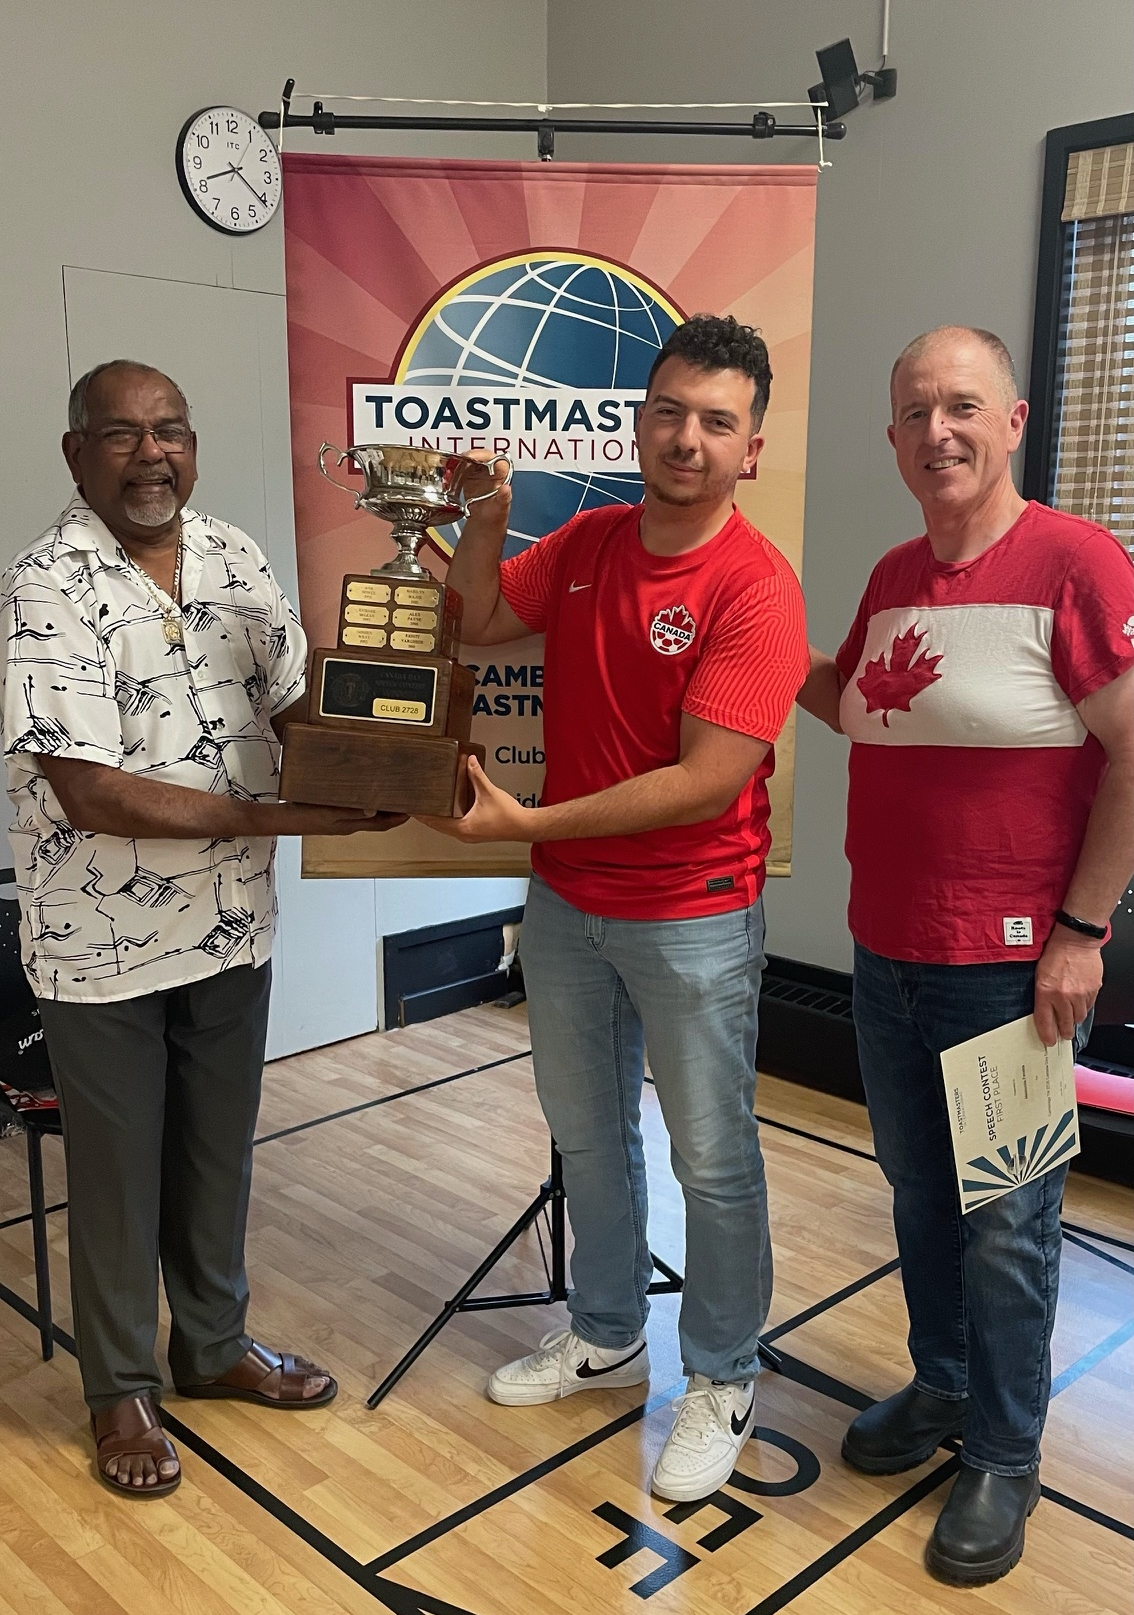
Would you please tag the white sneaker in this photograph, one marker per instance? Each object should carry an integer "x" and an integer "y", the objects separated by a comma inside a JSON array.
[
  {"x": 714, "y": 1421},
  {"x": 565, "y": 1364}
]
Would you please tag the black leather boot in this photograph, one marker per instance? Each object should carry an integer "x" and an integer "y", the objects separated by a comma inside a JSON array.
[
  {"x": 901, "y": 1432},
  {"x": 979, "y": 1534}
]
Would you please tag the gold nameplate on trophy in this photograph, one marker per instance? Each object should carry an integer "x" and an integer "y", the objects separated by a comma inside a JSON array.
[
  {"x": 374, "y": 637},
  {"x": 365, "y": 589},
  {"x": 423, "y": 616},
  {"x": 372, "y": 616}
]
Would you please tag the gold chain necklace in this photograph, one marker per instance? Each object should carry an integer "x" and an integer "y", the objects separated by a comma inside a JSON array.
[{"x": 171, "y": 626}]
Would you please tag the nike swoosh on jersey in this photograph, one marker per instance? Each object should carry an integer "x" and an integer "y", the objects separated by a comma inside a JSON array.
[
  {"x": 585, "y": 1371},
  {"x": 575, "y": 587}
]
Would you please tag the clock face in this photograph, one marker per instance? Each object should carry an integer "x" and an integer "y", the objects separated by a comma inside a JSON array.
[{"x": 229, "y": 170}]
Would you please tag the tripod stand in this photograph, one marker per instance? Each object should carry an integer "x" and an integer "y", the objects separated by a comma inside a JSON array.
[{"x": 551, "y": 1203}]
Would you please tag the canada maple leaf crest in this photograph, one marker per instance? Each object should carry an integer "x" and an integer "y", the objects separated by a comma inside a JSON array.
[
  {"x": 672, "y": 630},
  {"x": 891, "y": 689}
]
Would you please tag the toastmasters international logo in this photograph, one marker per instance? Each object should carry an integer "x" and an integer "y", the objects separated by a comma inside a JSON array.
[{"x": 543, "y": 357}]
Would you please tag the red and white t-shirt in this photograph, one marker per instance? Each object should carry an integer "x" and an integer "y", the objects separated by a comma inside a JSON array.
[
  {"x": 633, "y": 641},
  {"x": 971, "y": 773}
]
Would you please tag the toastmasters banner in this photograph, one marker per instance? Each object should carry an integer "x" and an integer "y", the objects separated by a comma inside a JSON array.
[{"x": 517, "y": 307}]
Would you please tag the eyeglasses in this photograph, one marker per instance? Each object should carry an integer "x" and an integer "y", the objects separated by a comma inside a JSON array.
[{"x": 128, "y": 439}]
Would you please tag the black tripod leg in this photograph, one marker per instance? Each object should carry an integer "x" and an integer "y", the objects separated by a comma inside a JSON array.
[
  {"x": 452, "y": 1307},
  {"x": 558, "y": 1198}
]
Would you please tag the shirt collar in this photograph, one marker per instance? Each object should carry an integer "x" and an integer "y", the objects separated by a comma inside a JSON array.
[{"x": 81, "y": 529}]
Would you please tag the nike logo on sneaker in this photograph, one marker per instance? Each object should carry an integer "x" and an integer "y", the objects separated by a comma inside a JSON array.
[
  {"x": 585, "y": 1371},
  {"x": 738, "y": 1425},
  {"x": 575, "y": 587}
]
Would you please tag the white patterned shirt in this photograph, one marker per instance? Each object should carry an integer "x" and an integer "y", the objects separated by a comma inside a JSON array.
[{"x": 89, "y": 674}]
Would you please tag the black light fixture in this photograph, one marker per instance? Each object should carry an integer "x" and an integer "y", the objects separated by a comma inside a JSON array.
[{"x": 843, "y": 84}]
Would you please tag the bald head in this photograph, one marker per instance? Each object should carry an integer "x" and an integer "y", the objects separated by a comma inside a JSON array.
[{"x": 946, "y": 338}]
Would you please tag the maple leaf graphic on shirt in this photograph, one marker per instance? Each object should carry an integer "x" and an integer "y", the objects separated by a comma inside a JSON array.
[{"x": 891, "y": 689}]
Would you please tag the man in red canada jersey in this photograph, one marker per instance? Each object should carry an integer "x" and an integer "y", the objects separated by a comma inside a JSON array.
[
  {"x": 675, "y": 646},
  {"x": 987, "y": 687}
]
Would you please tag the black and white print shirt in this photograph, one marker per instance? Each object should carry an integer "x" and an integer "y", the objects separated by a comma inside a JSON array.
[{"x": 89, "y": 674}]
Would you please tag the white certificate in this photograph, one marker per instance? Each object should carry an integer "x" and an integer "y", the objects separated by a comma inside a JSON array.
[{"x": 1011, "y": 1109}]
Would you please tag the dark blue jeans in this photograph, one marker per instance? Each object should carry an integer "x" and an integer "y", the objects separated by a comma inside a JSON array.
[{"x": 980, "y": 1289}]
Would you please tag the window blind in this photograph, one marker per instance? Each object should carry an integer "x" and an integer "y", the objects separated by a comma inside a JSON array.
[{"x": 1093, "y": 441}]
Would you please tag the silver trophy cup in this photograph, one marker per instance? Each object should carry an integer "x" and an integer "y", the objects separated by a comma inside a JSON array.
[{"x": 413, "y": 489}]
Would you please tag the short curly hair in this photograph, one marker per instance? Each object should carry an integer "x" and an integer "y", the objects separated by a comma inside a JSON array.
[{"x": 720, "y": 342}]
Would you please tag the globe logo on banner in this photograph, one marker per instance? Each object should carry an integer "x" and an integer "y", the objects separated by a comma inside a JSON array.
[{"x": 542, "y": 356}]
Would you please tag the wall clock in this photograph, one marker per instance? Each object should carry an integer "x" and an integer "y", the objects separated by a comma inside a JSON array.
[{"x": 229, "y": 170}]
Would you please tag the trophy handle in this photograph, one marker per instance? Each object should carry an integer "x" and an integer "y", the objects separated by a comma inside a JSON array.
[
  {"x": 492, "y": 465},
  {"x": 343, "y": 454}
]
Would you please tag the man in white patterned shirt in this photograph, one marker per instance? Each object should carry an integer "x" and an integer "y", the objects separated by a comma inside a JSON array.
[{"x": 151, "y": 664}]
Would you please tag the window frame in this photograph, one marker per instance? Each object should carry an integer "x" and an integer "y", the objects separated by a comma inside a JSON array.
[{"x": 1059, "y": 146}]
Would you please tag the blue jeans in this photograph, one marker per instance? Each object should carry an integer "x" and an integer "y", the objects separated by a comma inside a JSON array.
[
  {"x": 599, "y": 990},
  {"x": 980, "y": 1289}
]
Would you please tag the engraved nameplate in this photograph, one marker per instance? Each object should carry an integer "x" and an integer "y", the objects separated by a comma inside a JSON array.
[
  {"x": 376, "y": 593},
  {"x": 376, "y": 616},
  {"x": 410, "y": 595},
  {"x": 402, "y": 640},
  {"x": 410, "y": 618},
  {"x": 374, "y": 637},
  {"x": 378, "y": 692},
  {"x": 399, "y": 711}
]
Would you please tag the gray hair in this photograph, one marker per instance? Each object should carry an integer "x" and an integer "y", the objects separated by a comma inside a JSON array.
[
  {"x": 1001, "y": 358},
  {"x": 78, "y": 415}
]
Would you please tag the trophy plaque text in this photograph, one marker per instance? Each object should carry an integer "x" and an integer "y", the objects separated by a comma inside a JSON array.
[{"x": 390, "y": 709}]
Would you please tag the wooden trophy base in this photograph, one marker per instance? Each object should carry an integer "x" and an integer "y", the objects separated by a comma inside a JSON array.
[{"x": 380, "y": 773}]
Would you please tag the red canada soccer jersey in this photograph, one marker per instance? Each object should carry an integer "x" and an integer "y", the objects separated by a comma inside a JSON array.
[
  {"x": 633, "y": 641},
  {"x": 971, "y": 773}
]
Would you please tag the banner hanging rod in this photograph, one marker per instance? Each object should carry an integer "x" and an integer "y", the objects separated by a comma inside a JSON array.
[{"x": 762, "y": 126}]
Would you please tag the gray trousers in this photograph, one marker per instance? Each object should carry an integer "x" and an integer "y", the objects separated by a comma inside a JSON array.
[{"x": 158, "y": 1097}]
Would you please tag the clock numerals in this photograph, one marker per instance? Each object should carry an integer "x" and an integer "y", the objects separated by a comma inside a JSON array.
[{"x": 229, "y": 170}]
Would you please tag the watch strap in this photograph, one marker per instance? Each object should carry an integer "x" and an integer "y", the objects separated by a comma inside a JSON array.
[{"x": 1099, "y": 933}]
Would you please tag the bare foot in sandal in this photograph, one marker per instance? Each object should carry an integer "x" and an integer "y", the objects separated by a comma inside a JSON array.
[
  {"x": 272, "y": 1378},
  {"x": 133, "y": 1454}
]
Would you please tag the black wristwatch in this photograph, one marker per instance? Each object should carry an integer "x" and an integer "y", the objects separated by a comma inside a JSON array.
[{"x": 1084, "y": 927}]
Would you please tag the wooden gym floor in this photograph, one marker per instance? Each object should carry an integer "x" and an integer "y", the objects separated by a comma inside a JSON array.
[{"x": 386, "y": 1168}]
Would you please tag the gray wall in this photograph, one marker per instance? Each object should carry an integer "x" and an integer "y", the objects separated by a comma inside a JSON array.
[
  {"x": 92, "y": 102},
  {"x": 930, "y": 214}
]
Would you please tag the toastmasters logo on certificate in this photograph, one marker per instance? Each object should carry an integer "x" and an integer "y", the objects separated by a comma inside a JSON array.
[{"x": 543, "y": 357}]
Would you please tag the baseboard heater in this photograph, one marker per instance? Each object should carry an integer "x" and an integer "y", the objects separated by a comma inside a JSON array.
[
  {"x": 442, "y": 968},
  {"x": 807, "y": 1036}
]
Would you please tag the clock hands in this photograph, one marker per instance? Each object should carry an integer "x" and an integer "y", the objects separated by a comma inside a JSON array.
[{"x": 235, "y": 172}]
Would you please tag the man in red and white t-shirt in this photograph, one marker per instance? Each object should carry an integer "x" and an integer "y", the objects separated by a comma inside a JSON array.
[
  {"x": 987, "y": 689},
  {"x": 675, "y": 644}
]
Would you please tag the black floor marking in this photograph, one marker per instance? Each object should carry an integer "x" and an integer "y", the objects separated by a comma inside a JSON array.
[
  {"x": 855, "y": 1540},
  {"x": 1095, "y": 1515},
  {"x": 820, "y": 1307},
  {"x": 387, "y": 1098},
  {"x": 816, "y": 1138},
  {"x": 520, "y": 1482},
  {"x": 408, "y": 1601},
  {"x": 1092, "y": 1233},
  {"x": 1103, "y": 1256},
  {"x": 835, "y": 1390},
  {"x": 26, "y": 1216},
  {"x": 28, "y": 1312}
]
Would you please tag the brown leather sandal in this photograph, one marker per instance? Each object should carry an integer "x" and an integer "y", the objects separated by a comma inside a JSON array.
[
  {"x": 271, "y": 1378},
  {"x": 130, "y": 1429}
]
